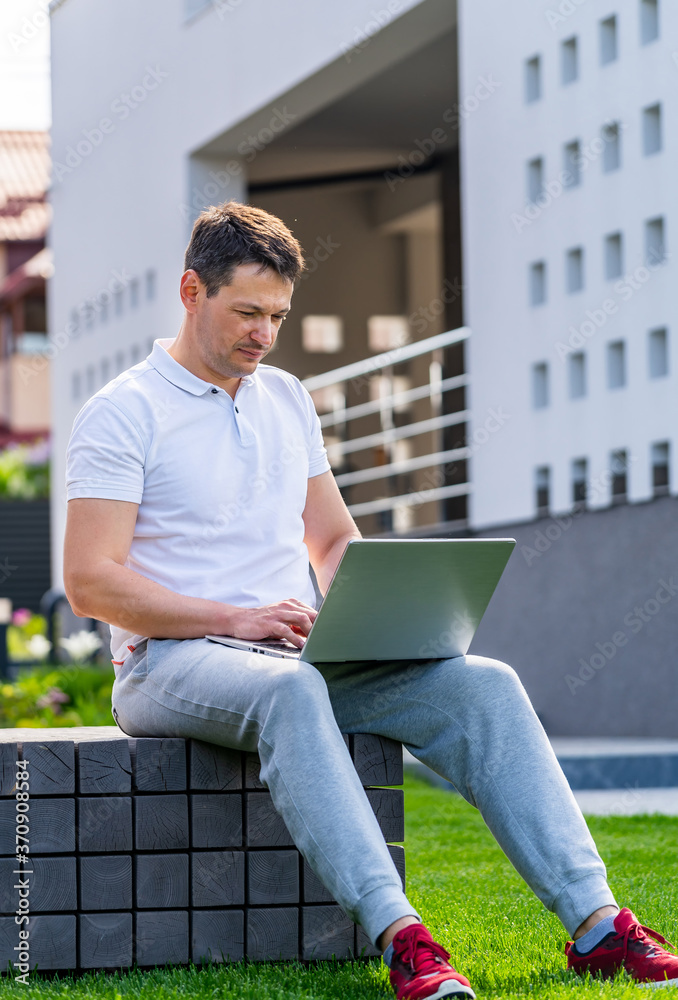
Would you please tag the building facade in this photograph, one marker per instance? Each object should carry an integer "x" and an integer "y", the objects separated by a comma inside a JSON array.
[{"x": 505, "y": 168}]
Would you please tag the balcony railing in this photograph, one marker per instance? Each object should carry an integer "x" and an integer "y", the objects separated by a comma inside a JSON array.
[{"x": 396, "y": 455}]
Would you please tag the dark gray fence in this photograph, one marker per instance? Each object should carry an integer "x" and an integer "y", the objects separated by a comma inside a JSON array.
[{"x": 24, "y": 551}]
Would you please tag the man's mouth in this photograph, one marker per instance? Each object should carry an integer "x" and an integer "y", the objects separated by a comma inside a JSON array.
[{"x": 251, "y": 353}]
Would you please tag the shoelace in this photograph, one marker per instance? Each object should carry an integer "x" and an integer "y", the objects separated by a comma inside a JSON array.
[
  {"x": 437, "y": 952},
  {"x": 639, "y": 931}
]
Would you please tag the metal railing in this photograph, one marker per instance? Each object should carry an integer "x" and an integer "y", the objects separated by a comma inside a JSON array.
[{"x": 377, "y": 455}]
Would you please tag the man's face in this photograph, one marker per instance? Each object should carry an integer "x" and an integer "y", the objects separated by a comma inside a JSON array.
[{"x": 237, "y": 327}]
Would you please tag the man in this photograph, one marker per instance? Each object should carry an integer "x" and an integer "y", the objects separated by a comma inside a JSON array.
[{"x": 198, "y": 490}]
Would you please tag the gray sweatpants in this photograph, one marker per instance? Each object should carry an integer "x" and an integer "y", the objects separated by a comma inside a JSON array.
[{"x": 468, "y": 718}]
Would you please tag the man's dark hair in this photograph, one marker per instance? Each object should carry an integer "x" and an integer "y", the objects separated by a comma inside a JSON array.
[{"x": 230, "y": 234}]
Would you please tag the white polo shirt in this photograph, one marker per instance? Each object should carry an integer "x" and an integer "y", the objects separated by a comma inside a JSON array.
[{"x": 221, "y": 483}]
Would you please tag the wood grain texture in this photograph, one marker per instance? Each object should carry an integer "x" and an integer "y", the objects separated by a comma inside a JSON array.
[
  {"x": 363, "y": 946},
  {"x": 313, "y": 889},
  {"x": 398, "y": 855},
  {"x": 161, "y": 936},
  {"x": 9, "y": 754},
  {"x": 51, "y": 766},
  {"x": 73, "y": 733},
  {"x": 105, "y": 940},
  {"x": 103, "y": 766},
  {"x": 265, "y": 826},
  {"x": 160, "y": 822},
  {"x": 252, "y": 768},
  {"x": 377, "y": 759},
  {"x": 158, "y": 765},
  {"x": 389, "y": 808},
  {"x": 161, "y": 881},
  {"x": 217, "y": 878},
  {"x": 326, "y": 932},
  {"x": 216, "y": 820},
  {"x": 214, "y": 768},
  {"x": 272, "y": 877},
  {"x": 52, "y": 885},
  {"x": 52, "y": 941},
  {"x": 106, "y": 882},
  {"x": 51, "y": 826},
  {"x": 273, "y": 934},
  {"x": 218, "y": 935},
  {"x": 104, "y": 824}
]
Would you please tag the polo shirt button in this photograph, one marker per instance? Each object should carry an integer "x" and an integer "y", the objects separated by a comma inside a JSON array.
[
  {"x": 215, "y": 390},
  {"x": 237, "y": 410}
]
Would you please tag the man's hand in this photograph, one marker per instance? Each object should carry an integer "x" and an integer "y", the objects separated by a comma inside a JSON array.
[{"x": 290, "y": 620}]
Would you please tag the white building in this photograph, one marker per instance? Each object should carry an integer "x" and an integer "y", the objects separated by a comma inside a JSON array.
[{"x": 503, "y": 167}]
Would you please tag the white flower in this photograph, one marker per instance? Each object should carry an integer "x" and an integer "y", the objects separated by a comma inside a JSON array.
[
  {"x": 38, "y": 646},
  {"x": 80, "y": 645}
]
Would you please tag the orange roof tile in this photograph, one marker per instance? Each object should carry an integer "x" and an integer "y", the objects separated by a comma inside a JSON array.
[{"x": 24, "y": 179}]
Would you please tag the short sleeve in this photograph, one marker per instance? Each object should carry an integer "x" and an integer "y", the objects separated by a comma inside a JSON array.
[
  {"x": 318, "y": 461},
  {"x": 106, "y": 455}
]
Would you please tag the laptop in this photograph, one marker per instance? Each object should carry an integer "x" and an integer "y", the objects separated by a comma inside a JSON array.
[{"x": 398, "y": 599}]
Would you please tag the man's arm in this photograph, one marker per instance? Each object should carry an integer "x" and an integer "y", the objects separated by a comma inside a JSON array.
[
  {"x": 329, "y": 527},
  {"x": 99, "y": 585}
]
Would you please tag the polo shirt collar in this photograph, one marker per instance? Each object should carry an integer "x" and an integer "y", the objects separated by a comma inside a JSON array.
[{"x": 175, "y": 373}]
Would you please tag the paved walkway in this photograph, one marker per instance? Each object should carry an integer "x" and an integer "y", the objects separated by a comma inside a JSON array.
[{"x": 628, "y": 764}]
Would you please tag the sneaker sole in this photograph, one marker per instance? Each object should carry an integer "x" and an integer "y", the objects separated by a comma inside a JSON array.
[
  {"x": 658, "y": 985},
  {"x": 451, "y": 989}
]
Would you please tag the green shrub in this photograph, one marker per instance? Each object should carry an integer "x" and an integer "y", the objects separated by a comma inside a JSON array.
[
  {"x": 48, "y": 696},
  {"x": 24, "y": 471}
]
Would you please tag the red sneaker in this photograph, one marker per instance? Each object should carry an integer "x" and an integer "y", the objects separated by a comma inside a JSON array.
[
  {"x": 629, "y": 946},
  {"x": 420, "y": 970}
]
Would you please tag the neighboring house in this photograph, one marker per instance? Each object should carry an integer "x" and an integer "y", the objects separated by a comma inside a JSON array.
[
  {"x": 502, "y": 166},
  {"x": 25, "y": 266}
]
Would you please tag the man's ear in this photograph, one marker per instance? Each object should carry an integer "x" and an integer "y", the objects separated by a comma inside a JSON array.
[{"x": 190, "y": 289}]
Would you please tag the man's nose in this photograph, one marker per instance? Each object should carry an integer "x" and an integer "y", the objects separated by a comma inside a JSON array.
[{"x": 264, "y": 331}]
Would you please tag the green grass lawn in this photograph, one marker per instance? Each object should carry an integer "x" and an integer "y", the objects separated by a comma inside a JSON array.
[{"x": 498, "y": 933}]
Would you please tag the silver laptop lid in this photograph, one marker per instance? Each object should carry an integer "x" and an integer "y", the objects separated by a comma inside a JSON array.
[{"x": 406, "y": 599}]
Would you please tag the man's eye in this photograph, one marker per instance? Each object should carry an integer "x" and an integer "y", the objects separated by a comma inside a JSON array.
[
  {"x": 243, "y": 313},
  {"x": 280, "y": 318}
]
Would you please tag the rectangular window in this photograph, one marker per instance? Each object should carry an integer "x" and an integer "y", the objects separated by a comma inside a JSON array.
[
  {"x": 150, "y": 285},
  {"x": 616, "y": 365},
  {"x": 569, "y": 61},
  {"x": 118, "y": 301},
  {"x": 538, "y": 283},
  {"x": 614, "y": 256},
  {"x": 660, "y": 468},
  {"x": 134, "y": 354},
  {"x": 384, "y": 333},
  {"x": 658, "y": 353},
  {"x": 105, "y": 370},
  {"x": 652, "y": 129},
  {"x": 134, "y": 293},
  {"x": 76, "y": 386},
  {"x": 576, "y": 371},
  {"x": 322, "y": 334},
  {"x": 579, "y": 476},
  {"x": 90, "y": 380},
  {"x": 655, "y": 246},
  {"x": 572, "y": 163},
  {"x": 649, "y": 21},
  {"x": 532, "y": 79},
  {"x": 103, "y": 306},
  {"x": 610, "y": 134},
  {"x": 535, "y": 178},
  {"x": 608, "y": 40},
  {"x": 119, "y": 362},
  {"x": 574, "y": 270},
  {"x": 542, "y": 486},
  {"x": 618, "y": 468},
  {"x": 540, "y": 385}
]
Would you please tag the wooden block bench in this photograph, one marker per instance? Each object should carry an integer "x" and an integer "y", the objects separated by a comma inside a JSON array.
[{"x": 152, "y": 851}]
